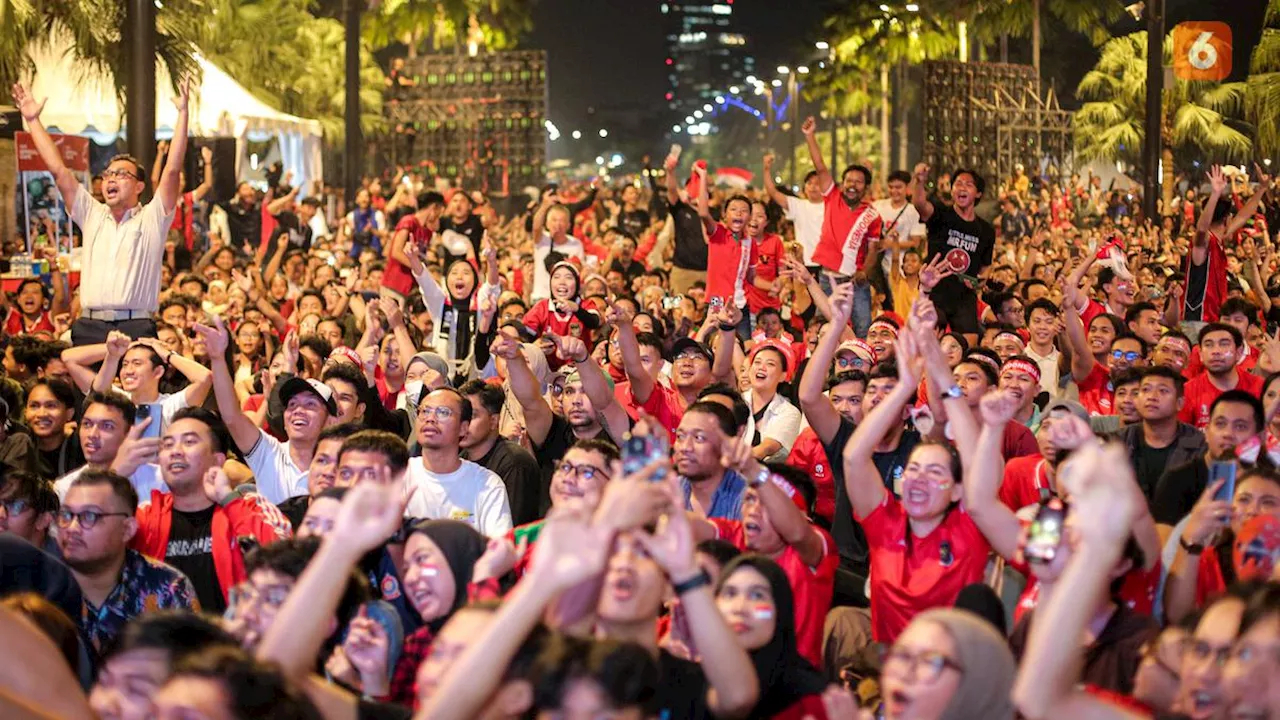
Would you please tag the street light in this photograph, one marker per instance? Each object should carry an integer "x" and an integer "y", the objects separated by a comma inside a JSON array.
[
  {"x": 777, "y": 82},
  {"x": 783, "y": 69},
  {"x": 577, "y": 134},
  {"x": 912, "y": 7},
  {"x": 720, "y": 99},
  {"x": 803, "y": 70},
  {"x": 675, "y": 128},
  {"x": 822, "y": 45},
  {"x": 707, "y": 107},
  {"x": 751, "y": 80},
  {"x": 697, "y": 114},
  {"x": 734, "y": 90},
  {"x": 604, "y": 133}
]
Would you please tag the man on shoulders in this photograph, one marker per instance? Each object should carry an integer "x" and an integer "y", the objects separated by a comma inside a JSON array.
[{"x": 123, "y": 240}]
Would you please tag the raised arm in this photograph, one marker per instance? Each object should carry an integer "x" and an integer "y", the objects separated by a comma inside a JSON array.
[
  {"x": 642, "y": 383},
  {"x": 206, "y": 182},
  {"x": 167, "y": 189},
  {"x": 537, "y": 413},
  {"x": 48, "y": 150},
  {"x": 673, "y": 188},
  {"x": 982, "y": 480},
  {"x": 792, "y": 525},
  {"x": 594, "y": 384},
  {"x": 540, "y": 215},
  {"x": 704, "y": 204},
  {"x": 116, "y": 346},
  {"x": 1251, "y": 205},
  {"x": 243, "y": 431},
  {"x": 920, "y": 193},
  {"x": 769, "y": 186},
  {"x": 1082, "y": 360},
  {"x": 810, "y": 129},
  {"x": 78, "y": 360},
  {"x": 199, "y": 376},
  {"x": 157, "y": 166},
  {"x": 862, "y": 480},
  {"x": 817, "y": 407}
]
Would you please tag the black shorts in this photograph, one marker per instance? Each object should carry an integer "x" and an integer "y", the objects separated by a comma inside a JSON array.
[{"x": 959, "y": 312}]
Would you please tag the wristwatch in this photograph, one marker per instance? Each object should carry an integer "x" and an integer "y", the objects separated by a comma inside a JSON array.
[
  {"x": 693, "y": 583},
  {"x": 955, "y": 392},
  {"x": 1191, "y": 548}
]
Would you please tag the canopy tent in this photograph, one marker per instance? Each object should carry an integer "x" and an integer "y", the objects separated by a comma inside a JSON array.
[{"x": 82, "y": 101}]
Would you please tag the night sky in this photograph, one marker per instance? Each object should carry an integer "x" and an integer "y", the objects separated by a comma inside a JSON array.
[{"x": 609, "y": 53}]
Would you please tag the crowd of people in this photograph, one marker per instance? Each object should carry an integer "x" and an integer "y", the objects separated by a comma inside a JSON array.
[{"x": 644, "y": 449}]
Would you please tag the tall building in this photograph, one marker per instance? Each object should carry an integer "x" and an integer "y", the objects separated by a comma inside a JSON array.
[{"x": 705, "y": 55}]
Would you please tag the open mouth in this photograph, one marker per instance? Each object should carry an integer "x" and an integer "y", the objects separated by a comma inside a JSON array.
[
  {"x": 298, "y": 423},
  {"x": 1203, "y": 703},
  {"x": 622, "y": 584},
  {"x": 915, "y": 495},
  {"x": 110, "y": 191},
  {"x": 177, "y": 467}
]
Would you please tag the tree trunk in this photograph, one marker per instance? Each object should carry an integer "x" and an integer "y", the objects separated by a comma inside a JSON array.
[
  {"x": 1004, "y": 47},
  {"x": 904, "y": 107},
  {"x": 1167, "y": 187},
  {"x": 1035, "y": 35},
  {"x": 962, "y": 30},
  {"x": 884, "y": 121}
]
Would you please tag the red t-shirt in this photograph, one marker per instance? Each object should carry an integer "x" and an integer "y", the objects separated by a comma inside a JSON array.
[
  {"x": 808, "y": 457},
  {"x": 541, "y": 318},
  {"x": 912, "y": 574},
  {"x": 1195, "y": 365},
  {"x": 1096, "y": 394},
  {"x": 664, "y": 404},
  {"x": 397, "y": 277},
  {"x": 1025, "y": 482},
  {"x": 14, "y": 324},
  {"x": 1200, "y": 393},
  {"x": 728, "y": 260},
  {"x": 1018, "y": 441},
  {"x": 1215, "y": 285},
  {"x": 847, "y": 233},
  {"x": 766, "y": 259},
  {"x": 1137, "y": 590},
  {"x": 812, "y": 586}
]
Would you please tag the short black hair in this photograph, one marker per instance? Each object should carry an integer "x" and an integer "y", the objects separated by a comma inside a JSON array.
[
  {"x": 1136, "y": 309},
  {"x": 1117, "y": 325},
  {"x": 429, "y": 198},
  {"x": 1128, "y": 376},
  {"x": 120, "y": 486},
  {"x": 625, "y": 671},
  {"x": 1027, "y": 284},
  {"x": 464, "y": 414},
  {"x": 799, "y": 480},
  {"x": 1242, "y": 397},
  {"x": 648, "y": 339},
  {"x": 1231, "y": 330},
  {"x": 741, "y": 411},
  {"x": 291, "y": 556},
  {"x": 599, "y": 445},
  {"x": 901, "y": 176},
  {"x": 316, "y": 344},
  {"x": 883, "y": 369},
  {"x": 37, "y": 491},
  {"x": 997, "y": 301},
  {"x": 1234, "y": 305},
  {"x": 251, "y": 688},
  {"x": 137, "y": 166},
  {"x": 847, "y": 376},
  {"x": 988, "y": 368},
  {"x": 341, "y": 431},
  {"x": 61, "y": 390},
  {"x": 387, "y": 444},
  {"x": 978, "y": 181},
  {"x": 217, "y": 428},
  {"x": 178, "y": 633},
  {"x": 115, "y": 400},
  {"x": 1043, "y": 305},
  {"x": 347, "y": 373},
  {"x": 723, "y": 415},
  {"x": 1161, "y": 371},
  {"x": 722, "y": 551},
  {"x": 491, "y": 396},
  {"x": 866, "y": 172}
]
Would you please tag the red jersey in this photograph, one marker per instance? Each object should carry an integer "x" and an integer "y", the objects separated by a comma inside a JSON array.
[
  {"x": 1026, "y": 482},
  {"x": 16, "y": 324},
  {"x": 1195, "y": 365},
  {"x": 1093, "y": 309},
  {"x": 397, "y": 277},
  {"x": 728, "y": 261},
  {"x": 1137, "y": 590},
  {"x": 541, "y": 319},
  {"x": 1210, "y": 580},
  {"x": 808, "y": 457},
  {"x": 767, "y": 258},
  {"x": 912, "y": 574},
  {"x": 847, "y": 233},
  {"x": 812, "y": 586},
  {"x": 665, "y": 405},
  {"x": 1200, "y": 393},
  {"x": 1096, "y": 393}
]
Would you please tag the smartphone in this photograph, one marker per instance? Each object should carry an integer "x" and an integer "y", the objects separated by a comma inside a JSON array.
[
  {"x": 1225, "y": 471},
  {"x": 148, "y": 410},
  {"x": 639, "y": 451},
  {"x": 1045, "y": 534},
  {"x": 715, "y": 303},
  {"x": 671, "y": 303}
]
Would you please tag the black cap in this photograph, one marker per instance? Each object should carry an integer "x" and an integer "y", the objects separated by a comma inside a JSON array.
[{"x": 690, "y": 344}]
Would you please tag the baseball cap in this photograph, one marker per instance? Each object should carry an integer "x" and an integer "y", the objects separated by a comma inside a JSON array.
[
  {"x": 690, "y": 344},
  {"x": 858, "y": 347},
  {"x": 295, "y": 385},
  {"x": 1070, "y": 406}
]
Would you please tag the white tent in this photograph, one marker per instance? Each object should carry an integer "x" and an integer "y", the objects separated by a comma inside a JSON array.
[{"x": 82, "y": 102}]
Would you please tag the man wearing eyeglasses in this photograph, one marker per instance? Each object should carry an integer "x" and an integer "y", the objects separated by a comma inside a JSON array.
[
  {"x": 445, "y": 486},
  {"x": 95, "y": 526},
  {"x": 123, "y": 240}
]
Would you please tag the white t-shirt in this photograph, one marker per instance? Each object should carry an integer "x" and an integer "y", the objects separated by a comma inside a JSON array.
[
  {"x": 570, "y": 248},
  {"x": 274, "y": 472},
  {"x": 471, "y": 494},
  {"x": 905, "y": 225},
  {"x": 120, "y": 261},
  {"x": 807, "y": 217},
  {"x": 145, "y": 479},
  {"x": 781, "y": 422},
  {"x": 169, "y": 404}
]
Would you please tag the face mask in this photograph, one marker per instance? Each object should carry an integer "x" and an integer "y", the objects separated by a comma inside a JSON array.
[{"x": 413, "y": 392}]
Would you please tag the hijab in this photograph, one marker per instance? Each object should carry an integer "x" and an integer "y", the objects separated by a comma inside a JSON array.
[
  {"x": 989, "y": 668},
  {"x": 461, "y": 545},
  {"x": 785, "y": 677}
]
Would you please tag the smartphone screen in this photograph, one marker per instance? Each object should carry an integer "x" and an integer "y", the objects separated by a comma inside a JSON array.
[
  {"x": 1045, "y": 534},
  {"x": 149, "y": 410},
  {"x": 1225, "y": 471}
]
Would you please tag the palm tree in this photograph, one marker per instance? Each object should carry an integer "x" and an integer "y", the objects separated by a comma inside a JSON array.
[
  {"x": 448, "y": 24},
  {"x": 1018, "y": 18},
  {"x": 1200, "y": 117},
  {"x": 93, "y": 27},
  {"x": 1262, "y": 90}
]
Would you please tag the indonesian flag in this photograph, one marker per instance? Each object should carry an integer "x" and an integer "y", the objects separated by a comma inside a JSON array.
[{"x": 734, "y": 177}]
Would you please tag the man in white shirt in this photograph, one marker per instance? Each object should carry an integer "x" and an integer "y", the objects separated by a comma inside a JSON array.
[
  {"x": 110, "y": 440},
  {"x": 441, "y": 483},
  {"x": 123, "y": 241},
  {"x": 805, "y": 213},
  {"x": 900, "y": 218},
  {"x": 279, "y": 469}
]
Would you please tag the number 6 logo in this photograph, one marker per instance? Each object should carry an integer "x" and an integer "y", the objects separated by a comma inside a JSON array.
[{"x": 1202, "y": 51}]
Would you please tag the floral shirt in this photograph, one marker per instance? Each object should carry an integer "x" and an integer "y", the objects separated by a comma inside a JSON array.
[{"x": 145, "y": 585}]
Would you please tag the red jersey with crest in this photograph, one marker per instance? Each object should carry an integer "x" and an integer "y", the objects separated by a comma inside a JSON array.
[
  {"x": 847, "y": 233},
  {"x": 1200, "y": 393},
  {"x": 541, "y": 319},
  {"x": 1096, "y": 393},
  {"x": 808, "y": 457},
  {"x": 729, "y": 261},
  {"x": 767, "y": 258}
]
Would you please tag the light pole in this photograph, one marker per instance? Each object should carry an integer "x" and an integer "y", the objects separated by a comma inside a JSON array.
[
  {"x": 1155, "y": 89},
  {"x": 140, "y": 28},
  {"x": 351, "y": 19}
]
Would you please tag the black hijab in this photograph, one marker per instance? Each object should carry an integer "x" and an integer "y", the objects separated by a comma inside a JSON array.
[
  {"x": 463, "y": 312},
  {"x": 462, "y": 545},
  {"x": 785, "y": 677}
]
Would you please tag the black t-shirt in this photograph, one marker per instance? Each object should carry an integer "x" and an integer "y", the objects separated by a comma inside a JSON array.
[
  {"x": 690, "y": 245},
  {"x": 294, "y": 510},
  {"x": 1149, "y": 464},
  {"x": 520, "y": 473},
  {"x": 968, "y": 246},
  {"x": 635, "y": 222},
  {"x": 369, "y": 710},
  {"x": 471, "y": 227},
  {"x": 244, "y": 222},
  {"x": 53, "y": 464},
  {"x": 1193, "y": 302},
  {"x": 681, "y": 691},
  {"x": 190, "y": 550},
  {"x": 1178, "y": 490},
  {"x": 847, "y": 533}
]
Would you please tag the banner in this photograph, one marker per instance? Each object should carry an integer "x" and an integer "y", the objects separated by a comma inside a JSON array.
[{"x": 44, "y": 214}]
